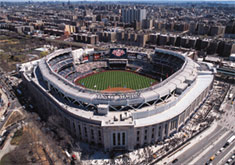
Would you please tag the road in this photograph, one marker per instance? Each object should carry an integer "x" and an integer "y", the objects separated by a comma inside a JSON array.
[
  {"x": 201, "y": 152},
  {"x": 216, "y": 147},
  {"x": 222, "y": 155},
  {"x": 191, "y": 153}
]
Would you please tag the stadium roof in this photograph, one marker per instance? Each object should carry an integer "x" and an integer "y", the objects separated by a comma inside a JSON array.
[
  {"x": 144, "y": 116},
  {"x": 202, "y": 82}
]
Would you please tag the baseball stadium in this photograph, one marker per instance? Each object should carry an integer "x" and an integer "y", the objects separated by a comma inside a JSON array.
[
  {"x": 119, "y": 99},
  {"x": 115, "y": 80}
]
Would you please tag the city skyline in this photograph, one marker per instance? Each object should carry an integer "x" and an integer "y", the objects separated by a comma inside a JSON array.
[{"x": 117, "y": 82}]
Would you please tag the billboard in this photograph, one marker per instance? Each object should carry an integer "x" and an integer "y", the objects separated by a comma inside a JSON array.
[
  {"x": 85, "y": 58},
  {"x": 96, "y": 56},
  {"x": 142, "y": 56},
  {"x": 118, "y": 53},
  {"x": 131, "y": 55}
]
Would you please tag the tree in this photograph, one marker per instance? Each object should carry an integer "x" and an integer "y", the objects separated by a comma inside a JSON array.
[{"x": 44, "y": 53}]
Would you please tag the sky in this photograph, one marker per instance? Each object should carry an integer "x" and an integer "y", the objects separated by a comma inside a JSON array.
[
  {"x": 230, "y": 1},
  {"x": 128, "y": 0}
]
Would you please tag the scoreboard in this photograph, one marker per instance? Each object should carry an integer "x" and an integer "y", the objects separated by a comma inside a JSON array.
[{"x": 118, "y": 53}]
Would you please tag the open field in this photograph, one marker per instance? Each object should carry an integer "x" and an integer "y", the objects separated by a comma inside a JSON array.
[{"x": 115, "y": 78}]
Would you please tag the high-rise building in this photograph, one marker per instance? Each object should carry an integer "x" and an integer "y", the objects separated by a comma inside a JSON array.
[
  {"x": 147, "y": 24},
  {"x": 132, "y": 15}
]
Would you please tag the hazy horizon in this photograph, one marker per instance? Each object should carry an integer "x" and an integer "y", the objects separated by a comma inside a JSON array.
[{"x": 118, "y": 1}]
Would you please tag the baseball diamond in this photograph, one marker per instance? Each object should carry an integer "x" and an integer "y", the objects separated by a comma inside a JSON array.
[{"x": 115, "y": 78}]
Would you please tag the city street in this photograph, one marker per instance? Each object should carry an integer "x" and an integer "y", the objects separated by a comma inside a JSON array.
[
  {"x": 221, "y": 157},
  {"x": 190, "y": 154},
  {"x": 214, "y": 148},
  {"x": 202, "y": 151}
]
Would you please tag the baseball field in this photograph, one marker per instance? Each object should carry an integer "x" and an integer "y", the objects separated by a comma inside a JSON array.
[{"x": 115, "y": 79}]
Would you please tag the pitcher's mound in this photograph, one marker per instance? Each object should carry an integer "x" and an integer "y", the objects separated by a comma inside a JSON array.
[{"x": 118, "y": 89}]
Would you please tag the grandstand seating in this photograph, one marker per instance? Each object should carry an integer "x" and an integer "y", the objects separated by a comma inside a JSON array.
[
  {"x": 59, "y": 58},
  {"x": 162, "y": 65}
]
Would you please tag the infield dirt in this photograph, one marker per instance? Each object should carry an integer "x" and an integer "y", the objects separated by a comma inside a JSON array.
[{"x": 118, "y": 89}]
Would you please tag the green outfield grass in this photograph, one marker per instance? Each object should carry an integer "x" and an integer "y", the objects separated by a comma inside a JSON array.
[{"x": 116, "y": 78}]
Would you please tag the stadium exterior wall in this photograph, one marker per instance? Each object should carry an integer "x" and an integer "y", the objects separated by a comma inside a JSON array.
[{"x": 94, "y": 132}]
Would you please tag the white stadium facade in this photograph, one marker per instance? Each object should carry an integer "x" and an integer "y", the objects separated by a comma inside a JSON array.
[{"x": 118, "y": 120}]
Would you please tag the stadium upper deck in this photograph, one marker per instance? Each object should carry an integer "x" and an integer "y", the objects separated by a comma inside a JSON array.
[
  {"x": 105, "y": 118},
  {"x": 185, "y": 73}
]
